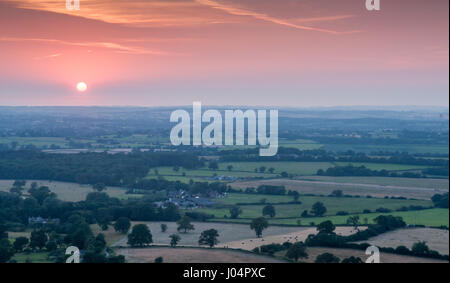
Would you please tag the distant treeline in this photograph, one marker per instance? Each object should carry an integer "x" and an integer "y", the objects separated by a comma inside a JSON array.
[
  {"x": 89, "y": 168},
  {"x": 340, "y": 171},
  {"x": 202, "y": 188},
  {"x": 319, "y": 155}
]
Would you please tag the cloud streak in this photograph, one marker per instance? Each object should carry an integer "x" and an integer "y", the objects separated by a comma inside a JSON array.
[
  {"x": 158, "y": 13},
  {"x": 116, "y": 47}
]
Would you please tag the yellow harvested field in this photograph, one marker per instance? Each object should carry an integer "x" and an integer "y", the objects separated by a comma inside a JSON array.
[{"x": 298, "y": 236}]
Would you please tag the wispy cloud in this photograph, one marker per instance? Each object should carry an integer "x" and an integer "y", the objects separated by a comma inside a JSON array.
[
  {"x": 116, "y": 47},
  {"x": 149, "y": 13},
  {"x": 160, "y": 13},
  {"x": 260, "y": 16}
]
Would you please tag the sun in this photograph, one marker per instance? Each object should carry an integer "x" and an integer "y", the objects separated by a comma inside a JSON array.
[{"x": 81, "y": 86}]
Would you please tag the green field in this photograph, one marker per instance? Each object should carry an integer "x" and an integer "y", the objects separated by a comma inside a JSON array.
[
  {"x": 333, "y": 205},
  {"x": 38, "y": 257},
  {"x": 435, "y": 217}
]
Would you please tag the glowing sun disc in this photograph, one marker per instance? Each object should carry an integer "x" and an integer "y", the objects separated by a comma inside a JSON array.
[{"x": 81, "y": 86}]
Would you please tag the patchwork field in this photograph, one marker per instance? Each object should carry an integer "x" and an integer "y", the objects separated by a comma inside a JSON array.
[
  {"x": 363, "y": 186},
  {"x": 436, "y": 239},
  {"x": 68, "y": 191},
  {"x": 193, "y": 255},
  {"x": 333, "y": 205},
  {"x": 345, "y": 253},
  {"x": 227, "y": 232}
]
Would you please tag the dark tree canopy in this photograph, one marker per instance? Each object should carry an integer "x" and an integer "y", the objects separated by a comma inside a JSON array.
[
  {"x": 140, "y": 236},
  {"x": 259, "y": 224},
  {"x": 209, "y": 238}
]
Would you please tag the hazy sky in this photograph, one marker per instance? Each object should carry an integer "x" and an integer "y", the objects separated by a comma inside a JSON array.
[{"x": 224, "y": 52}]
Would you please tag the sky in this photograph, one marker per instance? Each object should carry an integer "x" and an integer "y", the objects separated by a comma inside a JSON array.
[{"x": 297, "y": 53}]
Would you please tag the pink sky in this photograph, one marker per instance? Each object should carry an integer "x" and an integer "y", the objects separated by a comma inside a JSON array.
[{"x": 224, "y": 52}]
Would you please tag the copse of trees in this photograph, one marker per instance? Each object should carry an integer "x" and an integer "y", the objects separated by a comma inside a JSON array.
[
  {"x": 122, "y": 225},
  {"x": 235, "y": 211},
  {"x": 440, "y": 201},
  {"x": 297, "y": 251},
  {"x": 318, "y": 209},
  {"x": 269, "y": 210},
  {"x": 89, "y": 168}
]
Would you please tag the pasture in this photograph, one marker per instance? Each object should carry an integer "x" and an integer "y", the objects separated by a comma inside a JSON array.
[{"x": 35, "y": 257}]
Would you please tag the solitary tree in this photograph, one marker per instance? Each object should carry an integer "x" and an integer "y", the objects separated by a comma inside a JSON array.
[
  {"x": 262, "y": 169},
  {"x": 269, "y": 210},
  {"x": 295, "y": 195},
  {"x": 230, "y": 167},
  {"x": 213, "y": 165},
  {"x": 163, "y": 228},
  {"x": 140, "y": 236},
  {"x": 185, "y": 224},
  {"x": 122, "y": 225},
  {"x": 99, "y": 187},
  {"x": 235, "y": 211},
  {"x": 318, "y": 209},
  {"x": 271, "y": 170},
  {"x": 259, "y": 224},
  {"x": 209, "y": 237},
  {"x": 296, "y": 251},
  {"x": 174, "y": 239},
  {"x": 354, "y": 221}
]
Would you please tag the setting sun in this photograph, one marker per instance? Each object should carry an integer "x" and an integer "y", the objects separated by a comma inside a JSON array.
[{"x": 81, "y": 86}]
